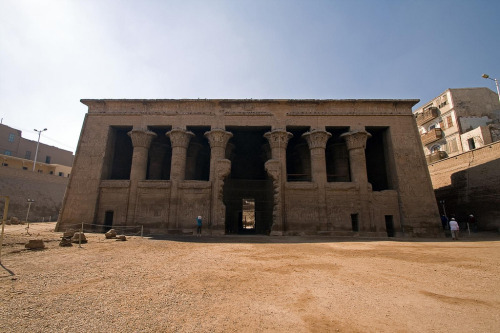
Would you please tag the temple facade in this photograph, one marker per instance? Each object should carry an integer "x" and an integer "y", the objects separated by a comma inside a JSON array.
[{"x": 273, "y": 167}]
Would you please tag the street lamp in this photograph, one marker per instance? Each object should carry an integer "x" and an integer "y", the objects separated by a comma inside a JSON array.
[
  {"x": 486, "y": 76},
  {"x": 30, "y": 201},
  {"x": 38, "y": 142}
]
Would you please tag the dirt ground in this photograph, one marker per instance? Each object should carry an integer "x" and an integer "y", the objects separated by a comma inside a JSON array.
[{"x": 248, "y": 284}]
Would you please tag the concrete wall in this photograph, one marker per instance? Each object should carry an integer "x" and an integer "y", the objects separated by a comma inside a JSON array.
[
  {"x": 46, "y": 190},
  {"x": 469, "y": 183}
]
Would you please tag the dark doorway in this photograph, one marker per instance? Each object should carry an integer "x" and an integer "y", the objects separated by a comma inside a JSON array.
[
  {"x": 389, "y": 225},
  {"x": 198, "y": 154},
  {"x": 108, "y": 220},
  {"x": 337, "y": 156},
  {"x": 376, "y": 158},
  {"x": 355, "y": 222},
  {"x": 119, "y": 149},
  {"x": 248, "y": 150},
  {"x": 298, "y": 156},
  {"x": 160, "y": 154}
]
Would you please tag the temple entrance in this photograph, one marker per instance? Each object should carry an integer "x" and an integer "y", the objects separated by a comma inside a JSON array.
[{"x": 248, "y": 190}]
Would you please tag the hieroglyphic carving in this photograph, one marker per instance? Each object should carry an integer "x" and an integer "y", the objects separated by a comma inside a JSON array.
[
  {"x": 356, "y": 139},
  {"x": 278, "y": 138},
  {"x": 179, "y": 137},
  {"x": 218, "y": 137},
  {"x": 141, "y": 138},
  {"x": 316, "y": 138},
  {"x": 222, "y": 170},
  {"x": 273, "y": 168}
]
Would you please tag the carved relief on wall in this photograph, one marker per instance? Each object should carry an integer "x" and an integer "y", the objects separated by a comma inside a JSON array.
[
  {"x": 316, "y": 138},
  {"x": 218, "y": 137},
  {"x": 222, "y": 170},
  {"x": 278, "y": 138},
  {"x": 141, "y": 138},
  {"x": 179, "y": 137},
  {"x": 356, "y": 139},
  {"x": 273, "y": 168}
]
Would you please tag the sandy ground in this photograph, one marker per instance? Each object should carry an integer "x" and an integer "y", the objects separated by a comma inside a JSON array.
[{"x": 248, "y": 284}]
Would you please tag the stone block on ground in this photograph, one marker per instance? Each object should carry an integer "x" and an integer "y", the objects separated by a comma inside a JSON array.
[
  {"x": 110, "y": 234},
  {"x": 35, "y": 244},
  {"x": 121, "y": 238},
  {"x": 69, "y": 233},
  {"x": 65, "y": 242},
  {"x": 76, "y": 237}
]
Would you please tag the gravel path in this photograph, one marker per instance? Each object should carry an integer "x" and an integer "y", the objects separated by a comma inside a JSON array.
[{"x": 248, "y": 284}]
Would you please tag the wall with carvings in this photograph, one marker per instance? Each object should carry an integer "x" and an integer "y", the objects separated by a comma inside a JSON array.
[{"x": 311, "y": 206}]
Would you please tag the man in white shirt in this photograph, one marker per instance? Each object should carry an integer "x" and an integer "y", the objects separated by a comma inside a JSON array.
[{"x": 454, "y": 229}]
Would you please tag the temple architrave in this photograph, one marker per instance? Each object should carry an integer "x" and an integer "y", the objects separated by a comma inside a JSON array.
[{"x": 272, "y": 167}]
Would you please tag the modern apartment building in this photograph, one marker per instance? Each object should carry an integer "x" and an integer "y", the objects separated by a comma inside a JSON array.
[
  {"x": 458, "y": 120},
  {"x": 20, "y": 151}
]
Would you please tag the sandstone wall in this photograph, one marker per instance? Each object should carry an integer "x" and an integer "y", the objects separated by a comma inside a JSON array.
[
  {"x": 469, "y": 183},
  {"x": 46, "y": 190}
]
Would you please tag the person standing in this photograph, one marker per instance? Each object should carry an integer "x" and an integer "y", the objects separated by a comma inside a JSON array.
[
  {"x": 199, "y": 223},
  {"x": 454, "y": 228},
  {"x": 472, "y": 222},
  {"x": 444, "y": 221}
]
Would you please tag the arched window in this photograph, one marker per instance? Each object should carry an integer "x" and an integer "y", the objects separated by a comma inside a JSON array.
[{"x": 435, "y": 148}]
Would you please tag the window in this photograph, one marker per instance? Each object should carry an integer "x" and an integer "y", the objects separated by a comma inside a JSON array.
[
  {"x": 11, "y": 137},
  {"x": 8, "y": 153},
  {"x": 5, "y": 164},
  {"x": 435, "y": 148},
  {"x": 61, "y": 174},
  {"x": 51, "y": 172},
  {"x": 449, "y": 122},
  {"x": 47, "y": 159},
  {"x": 453, "y": 146},
  {"x": 27, "y": 155},
  {"x": 472, "y": 144},
  {"x": 25, "y": 168}
]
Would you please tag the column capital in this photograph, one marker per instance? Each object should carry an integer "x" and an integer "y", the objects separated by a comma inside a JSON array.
[
  {"x": 278, "y": 138},
  {"x": 356, "y": 139},
  {"x": 218, "y": 137},
  {"x": 317, "y": 138},
  {"x": 141, "y": 138},
  {"x": 179, "y": 137}
]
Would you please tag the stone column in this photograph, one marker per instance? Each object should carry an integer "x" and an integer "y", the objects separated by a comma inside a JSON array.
[
  {"x": 141, "y": 141},
  {"x": 316, "y": 140},
  {"x": 276, "y": 168},
  {"x": 356, "y": 144},
  {"x": 179, "y": 140},
  {"x": 219, "y": 170}
]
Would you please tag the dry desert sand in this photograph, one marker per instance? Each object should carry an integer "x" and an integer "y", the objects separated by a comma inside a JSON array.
[{"x": 248, "y": 284}]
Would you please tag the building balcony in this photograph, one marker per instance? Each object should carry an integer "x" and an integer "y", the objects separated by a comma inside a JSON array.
[
  {"x": 427, "y": 115},
  {"x": 435, "y": 156},
  {"x": 431, "y": 136}
]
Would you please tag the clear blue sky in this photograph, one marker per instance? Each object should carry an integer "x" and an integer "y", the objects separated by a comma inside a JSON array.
[{"x": 55, "y": 52}]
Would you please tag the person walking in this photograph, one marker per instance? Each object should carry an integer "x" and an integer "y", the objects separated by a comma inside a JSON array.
[
  {"x": 454, "y": 228},
  {"x": 199, "y": 223}
]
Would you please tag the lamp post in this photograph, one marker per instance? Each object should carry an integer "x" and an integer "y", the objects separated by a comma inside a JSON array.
[
  {"x": 486, "y": 76},
  {"x": 38, "y": 143},
  {"x": 30, "y": 201}
]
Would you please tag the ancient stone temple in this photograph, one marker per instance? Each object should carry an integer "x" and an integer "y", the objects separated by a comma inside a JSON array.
[{"x": 272, "y": 167}]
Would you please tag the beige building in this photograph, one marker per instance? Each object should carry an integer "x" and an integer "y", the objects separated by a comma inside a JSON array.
[
  {"x": 278, "y": 167},
  {"x": 458, "y": 120},
  {"x": 13, "y": 144}
]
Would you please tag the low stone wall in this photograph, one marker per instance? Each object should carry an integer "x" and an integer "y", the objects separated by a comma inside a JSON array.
[
  {"x": 469, "y": 183},
  {"x": 46, "y": 190}
]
